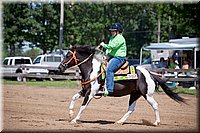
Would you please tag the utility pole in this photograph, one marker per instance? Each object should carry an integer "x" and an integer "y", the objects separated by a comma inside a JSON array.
[
  {"x": 61, "y": 24},
  {"x": 158, "y": 30},
  {"x": 170, "y": 29}
]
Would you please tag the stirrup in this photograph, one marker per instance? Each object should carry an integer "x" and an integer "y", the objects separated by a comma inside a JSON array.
[{"x": 100, "y": 92}]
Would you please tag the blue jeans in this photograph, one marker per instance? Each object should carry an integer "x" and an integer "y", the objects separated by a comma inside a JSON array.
[{"x": 113, "y": 64}]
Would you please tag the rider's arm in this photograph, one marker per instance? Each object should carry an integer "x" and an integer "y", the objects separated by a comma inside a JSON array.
[{"x": 114, "y": 43}]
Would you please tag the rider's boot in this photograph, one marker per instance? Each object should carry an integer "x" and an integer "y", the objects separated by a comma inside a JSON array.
[{"x": 105, "y": 92}]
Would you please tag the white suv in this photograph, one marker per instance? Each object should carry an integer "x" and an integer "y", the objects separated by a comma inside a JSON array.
[
  {"x": 47, "y": 60},
  {"x": 52, "y": 60}
]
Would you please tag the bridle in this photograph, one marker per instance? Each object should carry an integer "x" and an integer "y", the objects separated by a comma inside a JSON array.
[
  {"x": 77, "y": 64},
  {"x": 73, "y": 57}
]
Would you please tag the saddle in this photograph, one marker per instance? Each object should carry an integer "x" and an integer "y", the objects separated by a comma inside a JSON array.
[{"x": 125, "y": 72}]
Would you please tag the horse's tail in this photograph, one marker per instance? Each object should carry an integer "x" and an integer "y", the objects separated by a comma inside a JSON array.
[{"x": 167, "y": 90}]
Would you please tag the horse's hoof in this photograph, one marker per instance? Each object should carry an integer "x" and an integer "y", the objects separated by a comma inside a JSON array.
[
  {"x": 73, "y": 121},
  {"x": 71, "y": 113},
  {"x": 119, "y": 123},
  {"x": 156, "y": 123}
]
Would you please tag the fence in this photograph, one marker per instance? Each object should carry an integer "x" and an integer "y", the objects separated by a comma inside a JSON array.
[
  {"x": 173, "y": 75},
  {"x": 11, "y": 72},
  {"x": 176, "y": 74},
  {"x": 182, "y": 77}
]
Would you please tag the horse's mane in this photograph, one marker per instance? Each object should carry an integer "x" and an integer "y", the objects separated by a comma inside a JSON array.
[
  {"x": 98, "y": 54},
  {"x": 83, "y": 48}
]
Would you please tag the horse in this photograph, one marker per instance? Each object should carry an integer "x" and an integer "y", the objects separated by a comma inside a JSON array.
[{"x": 88, "y": 60}]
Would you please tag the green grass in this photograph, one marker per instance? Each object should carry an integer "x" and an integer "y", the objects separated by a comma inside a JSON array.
[
  {"x": 76, "y": 84},
  {"x": 63, "y": 83},
  {"x": 181, "y": 90}
]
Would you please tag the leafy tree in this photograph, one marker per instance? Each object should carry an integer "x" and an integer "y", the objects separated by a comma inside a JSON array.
[
  {"x": 83, "y": 24},
  {"x": 44, "y": 29},
  {"x": 14, "y": 19},
  {"x": 88, "y": 24}
]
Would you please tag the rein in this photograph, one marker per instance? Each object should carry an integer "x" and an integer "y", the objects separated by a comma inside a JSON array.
[
  {"x": 76, "y": 60},
  {"x": 84, "y": 83},
  {"x": 77, "y": 64}
]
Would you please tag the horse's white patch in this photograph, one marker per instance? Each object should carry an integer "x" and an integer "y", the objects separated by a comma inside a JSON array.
[
  {"x": 149, "y": 80},
  {"x": 95, "y": 68}
]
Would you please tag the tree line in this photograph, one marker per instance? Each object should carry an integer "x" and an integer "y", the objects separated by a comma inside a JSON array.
[{"x": 88, "y": 23}]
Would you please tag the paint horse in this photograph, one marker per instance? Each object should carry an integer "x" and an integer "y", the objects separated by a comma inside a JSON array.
[{"x": 87, "y": 59}]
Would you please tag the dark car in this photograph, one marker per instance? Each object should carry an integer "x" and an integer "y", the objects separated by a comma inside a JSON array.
[{"x": 134, "y": 62}]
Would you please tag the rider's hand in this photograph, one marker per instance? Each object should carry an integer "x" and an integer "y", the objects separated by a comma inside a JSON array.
[{"x": 102, "y": 43}]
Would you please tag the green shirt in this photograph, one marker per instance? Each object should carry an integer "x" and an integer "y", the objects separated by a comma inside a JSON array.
[
  {"x": 172, "y": 66},
  {"x": 116, "y": 46}
]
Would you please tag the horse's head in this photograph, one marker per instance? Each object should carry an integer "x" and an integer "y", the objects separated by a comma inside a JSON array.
[{"x": 75, "y": 56}]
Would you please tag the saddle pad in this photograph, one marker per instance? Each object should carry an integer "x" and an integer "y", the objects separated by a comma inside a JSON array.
[
  {"x": 126, "y": 76},
  {"x": 123, "y": 75}
]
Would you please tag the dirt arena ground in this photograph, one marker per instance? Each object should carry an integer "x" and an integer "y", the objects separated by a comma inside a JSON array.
[{"x": 29, "y": 108}]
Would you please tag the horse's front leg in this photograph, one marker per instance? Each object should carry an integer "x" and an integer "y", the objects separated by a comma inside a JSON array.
[
  {"x": 87, "y": 99},
  {"x": 71, "y": 106}
]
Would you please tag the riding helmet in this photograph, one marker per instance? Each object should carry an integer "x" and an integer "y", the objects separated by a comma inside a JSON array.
[{"x": 116, "y": 27}]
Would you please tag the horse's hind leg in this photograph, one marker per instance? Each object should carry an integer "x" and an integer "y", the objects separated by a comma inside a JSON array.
[
  {"x": 132, "y": 102},
  {"x": 71, "y": 106},
  {"x": 154, "y": 105},
  {"x": 147, "y": 91}
]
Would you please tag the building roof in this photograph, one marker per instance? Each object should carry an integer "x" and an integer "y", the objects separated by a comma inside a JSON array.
[{"x": 175, "y": 44}]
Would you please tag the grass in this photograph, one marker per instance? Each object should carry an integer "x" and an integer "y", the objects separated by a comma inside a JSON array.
[
  {"x": 181, "y": 90},
  {"x": 63, "y": 83},
  {"x": 76, "y": 84}
]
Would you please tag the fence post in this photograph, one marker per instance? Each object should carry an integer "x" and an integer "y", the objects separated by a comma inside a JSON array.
[{"x": 24, "y": 72}]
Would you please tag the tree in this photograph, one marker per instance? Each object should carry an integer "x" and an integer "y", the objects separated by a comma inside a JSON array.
[
  {"x": 88, "y": 24},
  {"x": 84, "y": 29},
  {"x": 14, "y": 19},
  {"x": 44, "y": 29}
]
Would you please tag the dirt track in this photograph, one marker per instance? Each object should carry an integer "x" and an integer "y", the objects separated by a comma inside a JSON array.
[{"x": 37, "y": 108}]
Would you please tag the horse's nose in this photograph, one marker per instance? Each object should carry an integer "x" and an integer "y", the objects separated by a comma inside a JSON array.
[{"x": 61, "y": 68}]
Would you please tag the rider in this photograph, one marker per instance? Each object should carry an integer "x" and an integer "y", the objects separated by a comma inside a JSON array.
[{"x": 116, "y": 51}]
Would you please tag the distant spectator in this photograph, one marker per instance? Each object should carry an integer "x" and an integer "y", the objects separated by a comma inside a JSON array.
[
  {"x": 162, "y": 63},
  {"x": 185, "y": 65},
  {"x": 172, "y": 64}
]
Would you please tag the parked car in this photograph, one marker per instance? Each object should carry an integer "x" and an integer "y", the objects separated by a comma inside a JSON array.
[
  {"x": 42, "y": 64},
  {"x": 149, "y": 63},
  {"x": 47, "y": 60},
  {"x": 11, "y": 65},
  {"x": 47, "y": 64},
  {"x": 134, "y": 62}
]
